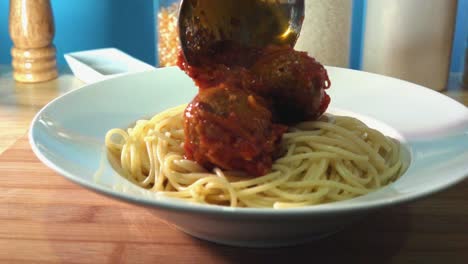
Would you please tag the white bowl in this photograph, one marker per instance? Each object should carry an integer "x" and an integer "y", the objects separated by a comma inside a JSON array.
[
  {"x": 91, "y": 66},
  {"x": 68, "y": 136}
]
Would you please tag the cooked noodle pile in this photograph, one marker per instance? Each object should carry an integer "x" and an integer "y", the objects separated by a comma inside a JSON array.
[{"x": 333, "y": 159}]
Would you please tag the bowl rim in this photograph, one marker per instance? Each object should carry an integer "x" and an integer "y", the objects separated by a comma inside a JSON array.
[{"x": 188, "y": 207}]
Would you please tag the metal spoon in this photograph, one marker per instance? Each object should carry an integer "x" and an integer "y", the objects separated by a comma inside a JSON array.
[{"x": 250, "y": 23}]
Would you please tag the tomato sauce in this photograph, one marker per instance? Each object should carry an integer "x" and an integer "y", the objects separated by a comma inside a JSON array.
[{"x": 247, "y": 98}]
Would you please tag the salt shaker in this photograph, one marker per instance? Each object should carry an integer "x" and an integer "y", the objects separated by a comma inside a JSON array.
[{"x": 31, "y": 28}]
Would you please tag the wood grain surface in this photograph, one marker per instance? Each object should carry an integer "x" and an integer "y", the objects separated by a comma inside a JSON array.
[
  {"x": 19, "y": 102},
  {"x": 44, "y": 218}
]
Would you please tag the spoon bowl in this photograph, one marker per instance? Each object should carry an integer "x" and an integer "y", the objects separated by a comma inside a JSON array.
[{"x": 248, "y": 23}]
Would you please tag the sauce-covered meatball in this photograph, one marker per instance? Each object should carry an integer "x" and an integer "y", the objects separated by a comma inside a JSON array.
[
  {"x": 246, "y": 96},
  {"x": 231, "y": 128},
  {"x": 294, "y": 81}
]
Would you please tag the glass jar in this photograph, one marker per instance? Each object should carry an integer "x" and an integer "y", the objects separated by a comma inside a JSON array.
[{"x": 168, "y": 36}]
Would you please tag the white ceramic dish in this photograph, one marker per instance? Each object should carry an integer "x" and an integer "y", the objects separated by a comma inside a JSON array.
[
  {"x": 68, "y": 136},
  {"x": 92, "y": 66}
]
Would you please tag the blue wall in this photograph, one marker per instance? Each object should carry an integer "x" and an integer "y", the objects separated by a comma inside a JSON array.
[
  {"x": 460, "y": 40},
  {"x": 130, "y": 26},
  {"x": 89, "y": 24},
  {"x": 5, "y": 42},
  {"x": 358, "y": 22}
]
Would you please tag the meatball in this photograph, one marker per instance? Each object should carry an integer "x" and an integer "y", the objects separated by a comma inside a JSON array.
[
  {"x": 231, "y": 128},
  {"x": 223, "y": 66},
  {"x": 294, "y": 82}
]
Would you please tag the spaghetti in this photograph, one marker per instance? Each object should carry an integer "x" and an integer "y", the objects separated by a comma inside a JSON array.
[{"x": 332, "y": 159}]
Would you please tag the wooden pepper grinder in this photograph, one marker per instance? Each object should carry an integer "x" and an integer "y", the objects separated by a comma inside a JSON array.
[{"x": 32, "y": 30}]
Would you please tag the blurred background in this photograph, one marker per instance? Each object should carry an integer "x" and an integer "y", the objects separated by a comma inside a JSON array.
[
  {"x": 91, "y": 24},
  {"x": 422, "y": 41}
]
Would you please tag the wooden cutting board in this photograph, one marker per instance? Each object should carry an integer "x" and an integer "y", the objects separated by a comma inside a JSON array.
[{"x": 47, "y": 219}]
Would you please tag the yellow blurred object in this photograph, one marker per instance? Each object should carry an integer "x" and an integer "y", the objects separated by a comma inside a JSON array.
[{"x": 168, "y": 37}]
